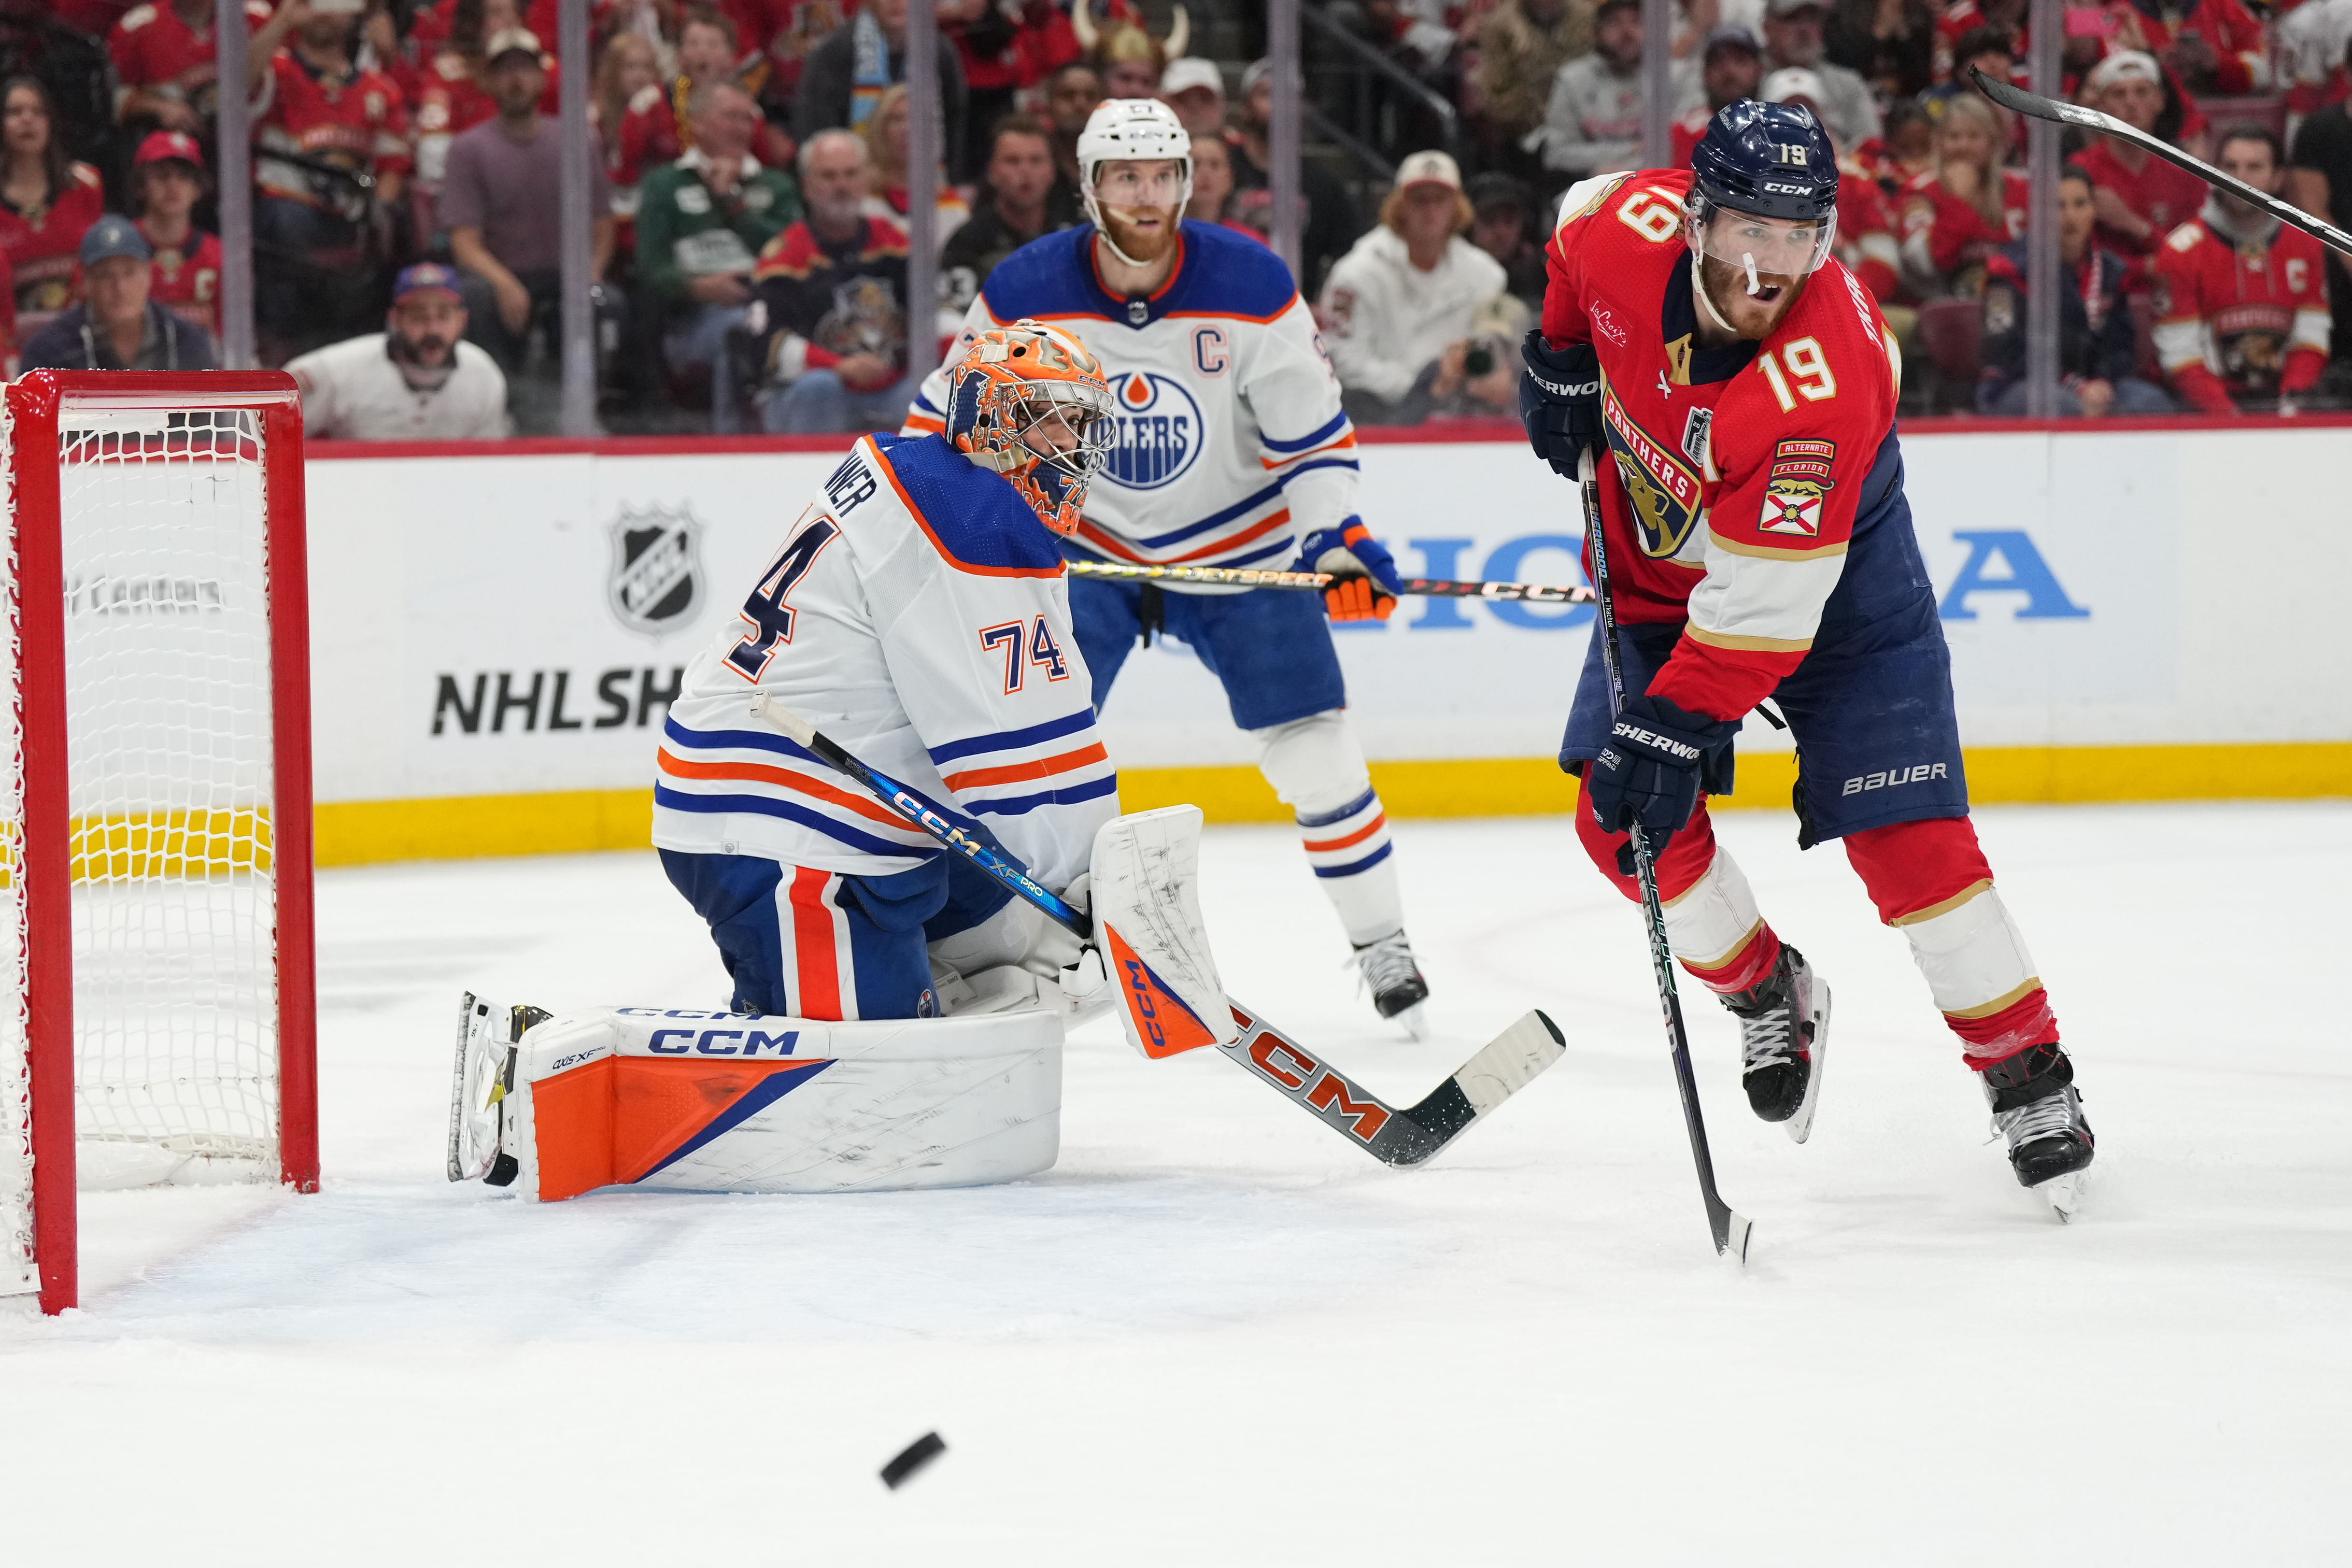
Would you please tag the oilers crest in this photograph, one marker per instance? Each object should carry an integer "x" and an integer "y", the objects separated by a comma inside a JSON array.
[
  {"x": 1159, "y": 430},
  {"x": 1665, "y": 491}
]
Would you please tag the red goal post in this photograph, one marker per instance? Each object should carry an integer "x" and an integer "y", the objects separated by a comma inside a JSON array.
[{"x": 156, "y": 849}]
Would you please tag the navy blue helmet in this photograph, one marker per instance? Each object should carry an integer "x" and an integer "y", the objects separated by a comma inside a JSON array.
[{"x": 1773, "y": 160}]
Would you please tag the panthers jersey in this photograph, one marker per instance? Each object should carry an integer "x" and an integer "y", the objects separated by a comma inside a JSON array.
[
  {"x": 918, "y": 613},
  {"x": 1742, "y": 473},
  {"x": 1231, "y": 441}
]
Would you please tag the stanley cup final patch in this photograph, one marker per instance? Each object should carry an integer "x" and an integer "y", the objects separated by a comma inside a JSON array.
[{"x": 1796, "y": 487}]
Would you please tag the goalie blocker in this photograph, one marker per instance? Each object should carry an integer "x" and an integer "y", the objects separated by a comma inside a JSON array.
[{"x": 683, "y": 1099}]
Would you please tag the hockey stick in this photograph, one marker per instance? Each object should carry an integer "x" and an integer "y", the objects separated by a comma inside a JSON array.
[
  {"x": 1730, "y": 1227},
  {"x": 1395, "y": 1135},
  {"x": 1246, "y": 577},
  {"x": 2018, "y": 102}
]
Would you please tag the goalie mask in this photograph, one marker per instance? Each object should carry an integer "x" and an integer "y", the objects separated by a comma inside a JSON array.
[{"x": 1030, "y": 403}]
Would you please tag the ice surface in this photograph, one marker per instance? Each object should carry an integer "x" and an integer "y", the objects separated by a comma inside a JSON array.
[{"x": 1216, "y": 1334}]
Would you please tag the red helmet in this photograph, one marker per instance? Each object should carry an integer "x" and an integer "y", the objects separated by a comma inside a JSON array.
[{"x": 1029, "y": 402}]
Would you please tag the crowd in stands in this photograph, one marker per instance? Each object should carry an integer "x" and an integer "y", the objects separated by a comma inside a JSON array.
[{"x": 749, "y": 241}]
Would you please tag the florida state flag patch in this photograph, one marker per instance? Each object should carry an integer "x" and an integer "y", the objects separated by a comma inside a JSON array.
[{"x": 1796, "y": 486}]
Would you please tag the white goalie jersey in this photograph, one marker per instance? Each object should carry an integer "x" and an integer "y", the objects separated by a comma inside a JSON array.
[
  {"x": 918, "y": 615},
  {"x": 1231, "y": 441}
]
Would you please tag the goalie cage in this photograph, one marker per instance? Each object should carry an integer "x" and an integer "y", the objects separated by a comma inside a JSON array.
[{"x": 155, "y": 803}]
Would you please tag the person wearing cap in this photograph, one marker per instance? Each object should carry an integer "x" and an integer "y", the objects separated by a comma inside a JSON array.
[
  {"x": 1499, "y": 206},
  {"x": 1328, "y": 227},
  {"x": 2140, "y": 197},
  {"x": 452, "y": 91},
  {"x": 1195, "y": 89},
  {"x": 314, "y": 97},
  {"x": 1730, "y": 68},
  {"x": 1522, "y": 44},
  {"x": 417, "y": 379},
  {"x": 1592, "y": 124},
  {"x": 167, "y": 180},
  {"x": 1793, "y": 36},
  {"x": 1397, "y": 309},
  {"x": 501, "y": 202},
  {"x": 164, "y": 65},
  {"x": 117, "y": 327}
]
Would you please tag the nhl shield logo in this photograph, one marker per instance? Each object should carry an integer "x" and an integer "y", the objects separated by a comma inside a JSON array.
[{"x": 657, "y": 582}]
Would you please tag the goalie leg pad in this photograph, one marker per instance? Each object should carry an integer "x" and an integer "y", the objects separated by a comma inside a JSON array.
[
  {"x": 1147, "y": 918},
  {"x": 684, "y": 1100},
  {"x": 1317, "y": 767}
]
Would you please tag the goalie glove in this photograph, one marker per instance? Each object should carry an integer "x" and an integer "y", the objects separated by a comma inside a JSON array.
[{"x": 1365, "y": 583}]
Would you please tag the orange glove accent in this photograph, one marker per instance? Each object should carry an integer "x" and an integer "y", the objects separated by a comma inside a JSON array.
[{"x": 1357, "y": 599}]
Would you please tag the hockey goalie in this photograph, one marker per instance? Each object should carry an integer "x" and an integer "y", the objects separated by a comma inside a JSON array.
[{"x": 897, "y": 1017}]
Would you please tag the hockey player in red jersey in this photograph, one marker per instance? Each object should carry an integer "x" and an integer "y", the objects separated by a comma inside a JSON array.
[
  {"x": 2241, "y": 298},
  {"x": 1698, "y": 332}
]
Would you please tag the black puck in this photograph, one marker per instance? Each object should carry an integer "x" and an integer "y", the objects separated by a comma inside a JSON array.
[{"x": 912, "y": 1457}]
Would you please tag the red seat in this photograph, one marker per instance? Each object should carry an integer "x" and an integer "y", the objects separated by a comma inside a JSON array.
[{"x": 1952, "y": 331}]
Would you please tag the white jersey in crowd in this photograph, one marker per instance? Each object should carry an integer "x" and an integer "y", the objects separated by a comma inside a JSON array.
[
  {"x": 918, "y": 613},
  {"x": 354, "y": 390},
  {"x": 1389, "y": 319},
  {"x": 1231, "y": 440}
]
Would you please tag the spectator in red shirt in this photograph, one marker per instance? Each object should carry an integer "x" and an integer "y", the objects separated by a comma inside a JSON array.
[
  {"x": 2241, "y": 298},
  {"x": 309, "y": 224},
  {"x": 167, "y": 180},
  {"x": 1003, "y": 49},
  {"x": 1731, "y": 70},
  {"x": 163, "y": 63},
  {"x": 1964, "y": 209},
  {"x": 2141, "y": 198},
  {"x": 628, "y": 111},
  {"x": 47, "y": 201}
]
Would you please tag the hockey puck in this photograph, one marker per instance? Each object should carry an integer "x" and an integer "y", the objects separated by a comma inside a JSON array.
[{"x": 912, "y": 1457}]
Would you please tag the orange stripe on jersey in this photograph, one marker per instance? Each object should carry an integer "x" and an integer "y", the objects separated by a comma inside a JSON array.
[
  {"x": 882, "y": 462},
  {"x": 759, "y": 773},
  {"x": 1345, "y": 443},
  {"x": 1318, "y": 846},
  {"x": 813, "y": 946},
  {"x": 1015, "y": 772},
  {"x": 1107, "y": 544},
  {"x": 1264, "y": 525}
]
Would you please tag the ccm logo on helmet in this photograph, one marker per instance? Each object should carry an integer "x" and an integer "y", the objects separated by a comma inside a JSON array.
[{"x": 1775, "y": 186}]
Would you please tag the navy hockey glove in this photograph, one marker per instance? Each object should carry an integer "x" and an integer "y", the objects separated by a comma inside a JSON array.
[
  {"x": 1649, "y": 772},
  {"x": 1559, "y": 401},
  {"x": 1364, "y": 584}
]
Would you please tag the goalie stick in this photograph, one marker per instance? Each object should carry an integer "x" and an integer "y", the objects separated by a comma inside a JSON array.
[
  {"x": 2018, "y": 102},
  {"x": 1395, "y": 1135},
  {"x": 1730, "y": 1227},
  {"x": 1250, "y": 577}
]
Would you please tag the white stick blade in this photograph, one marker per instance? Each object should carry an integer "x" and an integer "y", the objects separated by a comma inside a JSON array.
[{"x": 1509, "y": 1062}]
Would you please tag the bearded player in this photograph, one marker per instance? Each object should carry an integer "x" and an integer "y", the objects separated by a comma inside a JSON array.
[
  {"x": 1232, "y": 450},
  {"x": 1697, "y": 332}
]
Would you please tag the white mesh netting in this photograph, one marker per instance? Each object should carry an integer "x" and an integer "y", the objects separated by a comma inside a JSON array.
[{"x": 168, "y": 756}]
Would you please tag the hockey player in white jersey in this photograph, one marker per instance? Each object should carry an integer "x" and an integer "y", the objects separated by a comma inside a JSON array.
[
  {"x": 917, "y": 612},
  {"x": 1231, "y": 450}
]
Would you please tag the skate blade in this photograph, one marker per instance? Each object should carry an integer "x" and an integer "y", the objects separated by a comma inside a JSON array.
[
  {"x": 1414, "y": 1020},
  {"x": 1801, "y": 1126},
  {"x": 2066, "y": 1194}
]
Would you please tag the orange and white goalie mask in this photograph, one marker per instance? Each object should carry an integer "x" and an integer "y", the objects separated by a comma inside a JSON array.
[{"x": 1028, "y": 401}]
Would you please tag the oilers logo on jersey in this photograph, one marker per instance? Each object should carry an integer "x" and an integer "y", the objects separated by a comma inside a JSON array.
[{"x": 1160, "y": 432}]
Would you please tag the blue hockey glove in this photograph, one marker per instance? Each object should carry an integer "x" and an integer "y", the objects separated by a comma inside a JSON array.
[
  {"x": 1365, "y": 583},
  {"x": 1649, "y": 772},
  {"x": 1559, "y": 401}
]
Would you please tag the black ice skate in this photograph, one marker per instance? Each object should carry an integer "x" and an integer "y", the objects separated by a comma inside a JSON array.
[
  {"x": 2035, "y": 1107},
  {"x": 1784, "y": 1027},
  {"x": 1395, "y": 981}
]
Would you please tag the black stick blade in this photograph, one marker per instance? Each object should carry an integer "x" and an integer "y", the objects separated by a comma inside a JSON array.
[{"x": 912, "y": 1457}]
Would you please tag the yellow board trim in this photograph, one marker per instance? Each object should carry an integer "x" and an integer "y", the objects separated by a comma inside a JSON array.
[{"x": 366, "y": 832}]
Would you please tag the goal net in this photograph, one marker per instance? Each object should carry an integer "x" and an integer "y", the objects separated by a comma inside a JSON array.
[{"x": 154, "y": 799}]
